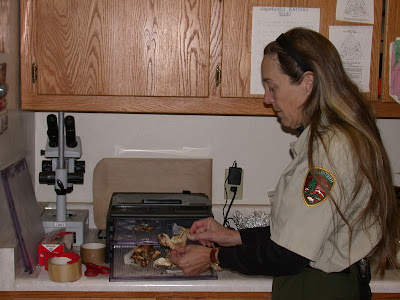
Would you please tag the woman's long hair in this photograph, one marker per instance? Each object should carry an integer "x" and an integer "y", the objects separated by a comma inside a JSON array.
[{"x": 336, "y": 103}]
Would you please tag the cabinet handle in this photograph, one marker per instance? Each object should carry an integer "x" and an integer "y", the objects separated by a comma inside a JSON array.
[
  {"x": 34, "y": 73},
  {"x": 218, "y": 76}
]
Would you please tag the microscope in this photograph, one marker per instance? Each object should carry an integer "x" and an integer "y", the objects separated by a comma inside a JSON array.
[{"x": 63, "y": 170}]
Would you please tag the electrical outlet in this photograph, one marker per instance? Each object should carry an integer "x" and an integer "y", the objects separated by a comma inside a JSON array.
[{"x": 239, "y": 193}]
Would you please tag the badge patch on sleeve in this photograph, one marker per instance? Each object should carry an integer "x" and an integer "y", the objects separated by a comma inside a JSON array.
[{"x": 315, "y": 192}]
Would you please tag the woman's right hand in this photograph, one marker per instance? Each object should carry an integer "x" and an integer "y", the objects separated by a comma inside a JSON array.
[{"x": 208, "y": 231}]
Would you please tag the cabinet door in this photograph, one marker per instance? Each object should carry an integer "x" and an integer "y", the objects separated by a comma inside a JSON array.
[
  {"x": 122, "y": 47},
  {"x": 237, "y": 32}
]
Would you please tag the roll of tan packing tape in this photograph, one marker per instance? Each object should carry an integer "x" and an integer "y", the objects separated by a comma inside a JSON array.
[
  {"x": 65, "y": 267},
  {"x": 94, "y": 253}
]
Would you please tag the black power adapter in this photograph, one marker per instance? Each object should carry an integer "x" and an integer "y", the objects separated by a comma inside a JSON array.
[
  {"x": 235, "y": 175},
  {"x": 234, "y": 179}
]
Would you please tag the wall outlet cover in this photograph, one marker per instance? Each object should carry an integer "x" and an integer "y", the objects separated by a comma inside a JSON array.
[{"x": 227, "y": 188}]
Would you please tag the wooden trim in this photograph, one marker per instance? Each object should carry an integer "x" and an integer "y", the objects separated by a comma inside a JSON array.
[
  {"x": 387, "y": 110},
  {"x": 386, "y": 296},
  {"x": 166, "y": 105},
  {"x": 169, "y": 105}
]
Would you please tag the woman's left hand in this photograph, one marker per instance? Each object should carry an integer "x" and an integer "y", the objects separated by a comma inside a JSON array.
[{"x": 192, "y": 259}]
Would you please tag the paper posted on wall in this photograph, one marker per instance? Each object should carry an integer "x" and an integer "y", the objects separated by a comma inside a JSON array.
[
  {"x": 354, "y": 45},
  {"x": 267, "y": 24},
  {"x": 394, "y": 70},
  {"x": 360, "y": 11}
]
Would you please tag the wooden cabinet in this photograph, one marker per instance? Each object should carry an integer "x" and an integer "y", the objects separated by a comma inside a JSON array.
[
  {"x": 113, "y": 55},
  {"x": 153, "y": 56},
  {"x": 238, "y": 29},
  {"x": 122, "y": 48}
]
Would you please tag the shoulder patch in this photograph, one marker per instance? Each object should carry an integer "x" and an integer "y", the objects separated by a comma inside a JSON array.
[{"x": 313, "y": 192}]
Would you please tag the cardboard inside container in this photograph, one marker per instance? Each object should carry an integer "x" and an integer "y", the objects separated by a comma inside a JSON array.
[{"x": 147, "y": 175}]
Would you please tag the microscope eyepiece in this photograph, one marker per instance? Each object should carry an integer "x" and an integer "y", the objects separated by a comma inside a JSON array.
[
  {"x": 70, "y": 136},
  {"x": 52, "y": 130}
]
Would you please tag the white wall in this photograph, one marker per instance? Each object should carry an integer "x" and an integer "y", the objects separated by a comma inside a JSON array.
[
  {"x": 258, "y": 144},
  {"x": 391, "y": 137}
]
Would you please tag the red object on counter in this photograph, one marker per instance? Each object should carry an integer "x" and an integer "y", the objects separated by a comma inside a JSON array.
[
  {"x": 94, "y": 270},
  {"x": 52, "y": 244},
  {"x": 47, "y": 251},
  {"x": 73, "y": 256}
]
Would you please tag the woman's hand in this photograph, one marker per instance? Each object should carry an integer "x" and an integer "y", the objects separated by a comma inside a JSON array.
[
  {"x": 192, "y": 259},
  {"x": 208, "y": 231},
  {"x": 195, "y": 259}
]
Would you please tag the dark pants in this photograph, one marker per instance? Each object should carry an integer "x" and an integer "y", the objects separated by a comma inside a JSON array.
[{"x": 315, "y": 284}]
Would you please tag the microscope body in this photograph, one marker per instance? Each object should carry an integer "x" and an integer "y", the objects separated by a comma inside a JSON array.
[
  {"x": 63, "y": 169},
  {"x": 72, "y": 171}
]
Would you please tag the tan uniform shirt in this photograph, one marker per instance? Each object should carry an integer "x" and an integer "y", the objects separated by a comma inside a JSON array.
[{"x": 305, "y": 221}]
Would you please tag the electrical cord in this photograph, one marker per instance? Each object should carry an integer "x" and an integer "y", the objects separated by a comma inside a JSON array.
[
  {"x": 226, "y": 191},
  {"x": 226, "y": 219},
  {"x": 226, "y": 197},
  {"x": 99, "y": 235},
  {"x": 234, "y": 190}
]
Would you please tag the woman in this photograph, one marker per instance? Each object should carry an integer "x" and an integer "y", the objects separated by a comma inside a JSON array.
[{"x": 334, "y": 207}]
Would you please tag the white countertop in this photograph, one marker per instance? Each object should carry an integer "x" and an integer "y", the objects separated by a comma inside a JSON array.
[
  {"x": 227, "y": 282},
  {"x": 390, "y": 283}
]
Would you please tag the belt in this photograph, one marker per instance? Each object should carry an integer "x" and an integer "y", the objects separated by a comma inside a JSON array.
[{"x": 363, "y": 268}]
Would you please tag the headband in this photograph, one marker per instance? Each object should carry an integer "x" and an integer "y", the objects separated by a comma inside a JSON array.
[{"x": 288, "y": 48}]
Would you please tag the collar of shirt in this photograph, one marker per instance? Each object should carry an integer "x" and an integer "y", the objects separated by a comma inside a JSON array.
[{"x": 301, "y": 143}]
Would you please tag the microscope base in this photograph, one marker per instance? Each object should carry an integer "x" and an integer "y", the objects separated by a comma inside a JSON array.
[{"x": 77, "y": 222}]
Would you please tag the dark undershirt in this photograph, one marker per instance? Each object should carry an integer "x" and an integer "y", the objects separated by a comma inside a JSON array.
[{"x": 259, "y": 255}]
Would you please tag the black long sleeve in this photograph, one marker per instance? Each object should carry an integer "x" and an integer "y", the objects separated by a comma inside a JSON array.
[{"x": 259, "y": 255}]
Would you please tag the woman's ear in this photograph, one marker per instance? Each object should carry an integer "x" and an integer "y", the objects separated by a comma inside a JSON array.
[{"x": 308, "y": 82}]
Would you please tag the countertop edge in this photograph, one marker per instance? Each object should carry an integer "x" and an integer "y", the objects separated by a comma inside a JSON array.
[{"x": 227, "y": 282}]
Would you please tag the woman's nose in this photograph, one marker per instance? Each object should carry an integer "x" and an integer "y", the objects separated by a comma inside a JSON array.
[{"x": 267, "y": 98}]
